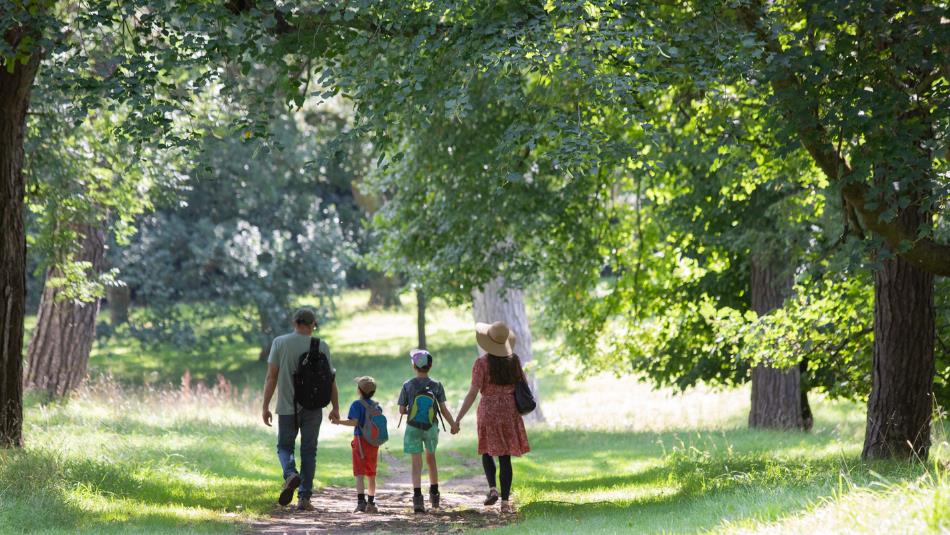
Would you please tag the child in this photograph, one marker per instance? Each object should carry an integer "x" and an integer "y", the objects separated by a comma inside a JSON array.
[
  {"x": 364, "y": 453},
  {"x": 423, "y": 400}
]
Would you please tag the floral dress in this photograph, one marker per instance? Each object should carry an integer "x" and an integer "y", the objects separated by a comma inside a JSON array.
[{"x": 500, "y": 427}]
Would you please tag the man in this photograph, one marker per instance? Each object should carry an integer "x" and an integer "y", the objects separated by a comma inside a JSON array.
[{"x": 281, "y": 364}]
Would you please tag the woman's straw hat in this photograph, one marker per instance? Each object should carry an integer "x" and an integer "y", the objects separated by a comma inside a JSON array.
[{"x": 496, "y": 338}]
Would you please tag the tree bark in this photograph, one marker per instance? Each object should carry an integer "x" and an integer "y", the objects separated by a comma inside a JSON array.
[
  {"x": 489, "y": 306},
  {"x": 383, "y": 291},
  {"x": 808, "y": 420},
  {"x": 14, "y": 101},
  {"x": 776, "y": 393},
  {"x": 119, "y": 299},
  {"x": 421, "y": 318},
  {"x": 901, "y": 401},
  {"x": 58, "y": 355}
]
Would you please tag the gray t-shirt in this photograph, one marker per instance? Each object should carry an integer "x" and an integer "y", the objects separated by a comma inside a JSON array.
[
  {"x": 417, "y": 384},
  {"x": 285, "y": 354}
]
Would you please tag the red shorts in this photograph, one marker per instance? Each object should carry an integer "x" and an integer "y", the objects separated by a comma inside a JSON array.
[{"x": 365, "y": 464}]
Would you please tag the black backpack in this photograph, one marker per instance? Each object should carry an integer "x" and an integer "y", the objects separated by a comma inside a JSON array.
[{"x": 313, "y": 380}]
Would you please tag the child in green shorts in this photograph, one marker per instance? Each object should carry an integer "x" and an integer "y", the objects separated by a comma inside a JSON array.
[{"x": 423, "y": 400}]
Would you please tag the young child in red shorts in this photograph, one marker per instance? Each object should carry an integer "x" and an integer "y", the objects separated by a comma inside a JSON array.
[{"x": 364, "y": 453}]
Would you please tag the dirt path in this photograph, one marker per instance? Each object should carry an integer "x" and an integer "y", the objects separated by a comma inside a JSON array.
[{"x": 461, "y": 509}]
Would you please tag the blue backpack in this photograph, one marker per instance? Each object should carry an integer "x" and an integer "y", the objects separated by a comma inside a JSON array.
[{"x": 373, "y": 429}]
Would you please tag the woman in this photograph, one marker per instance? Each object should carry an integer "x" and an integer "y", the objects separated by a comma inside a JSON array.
[{"x": 501, "y": 430}]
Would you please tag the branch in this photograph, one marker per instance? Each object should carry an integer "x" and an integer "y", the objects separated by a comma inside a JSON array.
[
  {"x": 836, "y": 348},
  {"x": 924, "y": 253}
]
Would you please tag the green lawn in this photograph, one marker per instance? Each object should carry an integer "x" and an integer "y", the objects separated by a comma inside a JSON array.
[{"x": 137, "y": 452}]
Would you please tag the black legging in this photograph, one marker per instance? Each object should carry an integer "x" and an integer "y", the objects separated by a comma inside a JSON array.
[{"x": 506, "y": 474}]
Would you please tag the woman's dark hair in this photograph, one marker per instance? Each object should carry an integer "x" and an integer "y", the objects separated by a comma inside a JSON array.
[{"x": 504, "y": 370}]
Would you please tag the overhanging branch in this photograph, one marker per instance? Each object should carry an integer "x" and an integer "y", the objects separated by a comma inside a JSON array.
[{"x": 924, "y": 253}]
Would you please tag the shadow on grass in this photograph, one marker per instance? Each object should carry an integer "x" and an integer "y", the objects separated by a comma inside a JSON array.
[
  {"x": 174, "y": 477},
  {"x": 615, "y": 481},
  {"x": 41, "y": 491},
  {"x": 650, "y": 475}
]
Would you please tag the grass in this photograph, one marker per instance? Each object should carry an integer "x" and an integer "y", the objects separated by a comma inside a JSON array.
[{"x": 138, "y": 451}]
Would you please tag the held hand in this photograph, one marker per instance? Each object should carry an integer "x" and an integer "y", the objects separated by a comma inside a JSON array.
[
  {"x": 455, "y": 428},
  {"x": 267, "y": 417},
  {"x": 335, "y": 416}
]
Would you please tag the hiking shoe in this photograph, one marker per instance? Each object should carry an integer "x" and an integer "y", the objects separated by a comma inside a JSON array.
[
  {"x": 506, "y": 507},
  {"x": 492, "y": 497},
  {"x": 434, "y": 500},
  {"x": 371, "y": 508},
  {"x": 360, "y": 507},
  {"x": 304, "y": 505},
  {"x": 287, "y": 492},
  {"x": 418, "y": 504}
]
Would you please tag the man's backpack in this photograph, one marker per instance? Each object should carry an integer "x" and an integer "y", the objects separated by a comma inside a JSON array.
[
  {"x": 424, "y": 410},
  {"x": 373, "y": 429},
  {"x": 313, "y": 380}
]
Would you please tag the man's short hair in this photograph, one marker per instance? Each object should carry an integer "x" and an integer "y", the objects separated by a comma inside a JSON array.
[{"x": 305, "y": 316}]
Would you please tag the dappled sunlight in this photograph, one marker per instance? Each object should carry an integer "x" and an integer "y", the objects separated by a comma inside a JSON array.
[
  {"x": 104, "y": 508},
  {"x": 637, "y": 492},
  {"x": 923, "y": 508}
]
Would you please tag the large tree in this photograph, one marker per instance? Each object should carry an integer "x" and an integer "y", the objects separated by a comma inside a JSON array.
[
  {"x": 21, "y": 60},
  {"x": 717, "y": 166},
  {"x": 95, "y": 51},
  {"x": 776, "y": 391},
  {"x": 864, "y": 90},
  {"x": 58, "y": 353},
  {"x": 86, "y": 183}
]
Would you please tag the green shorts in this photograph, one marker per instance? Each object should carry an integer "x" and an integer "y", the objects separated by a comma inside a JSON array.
[{"x": 415, "y": 438}]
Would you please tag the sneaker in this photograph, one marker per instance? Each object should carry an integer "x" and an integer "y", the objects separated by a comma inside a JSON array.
[
  {"x": 290, "y": 485},
  {"x": 492, "y": 497},
  {"x": 304, "y": 504},
  {"x": 371, "y": 508},
  {"x": 418, "y": 504},
  {"x": 360, "y": 507},
  {"x": 506, "y": 507},
  {"x": 434, "y": 500}
]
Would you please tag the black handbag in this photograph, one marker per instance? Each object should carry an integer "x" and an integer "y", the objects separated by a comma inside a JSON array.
[{"x": 524, "y": 398}]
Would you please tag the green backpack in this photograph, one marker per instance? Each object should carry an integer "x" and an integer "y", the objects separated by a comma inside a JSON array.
[{"x": 424, "y": 410}]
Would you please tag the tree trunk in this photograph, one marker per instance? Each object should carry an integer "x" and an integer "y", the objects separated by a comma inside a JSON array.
[
  {"x": 268, "y": 333},
  {"x": 14, "y": 101},
  {"x": 119, "y": 299},
  {"x": 489, "y": 306},
  {"x": 901, "y": 401},
  {"x": 421, "y": 318},
  {"x": 776, "y": 393},
  {"x": 808, "y": 420},
  {"x": 383, "y": 291},
  {"x": 58, "y": 355}
]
